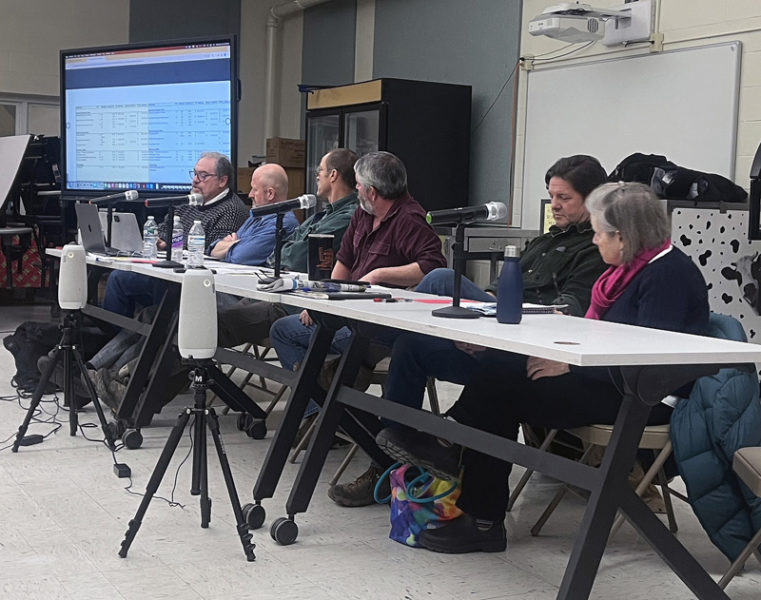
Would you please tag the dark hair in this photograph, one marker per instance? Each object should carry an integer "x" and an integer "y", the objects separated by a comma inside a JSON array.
[
  {"x": 342, "y": 160},
  {"x": 383, "y": 171},
  {"x": 224, "y": 168},
  {"x": 583, "y": 172}
]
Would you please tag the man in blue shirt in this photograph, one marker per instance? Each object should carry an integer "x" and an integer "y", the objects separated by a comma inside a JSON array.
[{"x": 255, "y": 240}]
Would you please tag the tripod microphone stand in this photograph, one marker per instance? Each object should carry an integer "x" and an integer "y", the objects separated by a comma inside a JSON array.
[
  {"x": 72, "y": 296},
  {"x": 197, "y": 345}
]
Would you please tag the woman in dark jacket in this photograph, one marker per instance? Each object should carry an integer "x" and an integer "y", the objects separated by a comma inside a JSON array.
[{"x": 648, "y": 283}]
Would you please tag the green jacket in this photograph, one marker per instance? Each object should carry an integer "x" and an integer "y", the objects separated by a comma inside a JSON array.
[
  {"x": 332, "y": 219},
  {"x": 560, "y": 267}
]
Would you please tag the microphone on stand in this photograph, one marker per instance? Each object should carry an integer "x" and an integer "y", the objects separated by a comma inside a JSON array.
[
  {"x": 304, "y": 201},
  {"x": 280, "y": 208},
  {"x": 491, "y": 211},
  {"x": 128, "y": 196},
  {"x": 194, "y": 198}
]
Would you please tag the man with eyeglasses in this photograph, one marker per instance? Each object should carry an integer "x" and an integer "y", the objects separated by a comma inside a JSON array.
[{"x": 221, "y": 212}]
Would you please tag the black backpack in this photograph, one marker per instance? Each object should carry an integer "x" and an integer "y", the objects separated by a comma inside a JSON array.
[{"x": 30, "y": 341}]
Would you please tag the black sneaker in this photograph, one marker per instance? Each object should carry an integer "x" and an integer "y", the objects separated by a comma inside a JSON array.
[
  {"x": 360, "y": 492},
  {"x": 462, "y": 535},
  {"x": 422, "y": 449}
]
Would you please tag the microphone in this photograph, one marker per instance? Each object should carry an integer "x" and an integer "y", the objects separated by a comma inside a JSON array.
[
  {"x": 194, "y": 198},
  {"x": 129, "y": 195},
  {"x": 491, "y": 211},
  {"x": 305, "y": 201}
]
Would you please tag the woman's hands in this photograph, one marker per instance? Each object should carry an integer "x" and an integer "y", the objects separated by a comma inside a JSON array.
[{"x": 536, "y": 368}]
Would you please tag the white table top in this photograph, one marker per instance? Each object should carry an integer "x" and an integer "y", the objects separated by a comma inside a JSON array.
[{"x": 573, "y": 340}]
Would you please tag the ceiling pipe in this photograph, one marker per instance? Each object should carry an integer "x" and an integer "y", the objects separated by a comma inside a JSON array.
[{"x": 277, "y": 13}]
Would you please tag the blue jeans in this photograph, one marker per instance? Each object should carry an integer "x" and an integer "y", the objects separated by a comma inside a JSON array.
[
  {"x": 290, "y": 339},
  {"x": 125, "y": 290},
  {"x": 415, "y": 356},
  {"x": 441, "y": 283}
]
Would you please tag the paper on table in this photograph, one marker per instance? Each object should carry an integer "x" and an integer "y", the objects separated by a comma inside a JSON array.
[{"x": 489, "y": 309}]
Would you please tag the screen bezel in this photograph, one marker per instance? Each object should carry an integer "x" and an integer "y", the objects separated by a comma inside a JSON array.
[{"x": 234, "y": 80}]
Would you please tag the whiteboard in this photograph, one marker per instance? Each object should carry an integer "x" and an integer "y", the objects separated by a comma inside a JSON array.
[{"x": 681, "y": 103}]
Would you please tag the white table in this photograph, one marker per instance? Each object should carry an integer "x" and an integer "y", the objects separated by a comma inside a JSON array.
[{"x": 651, "y": 363}]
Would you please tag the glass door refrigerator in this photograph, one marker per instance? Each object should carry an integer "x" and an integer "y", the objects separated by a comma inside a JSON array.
[{"x": 427, "y": 125}]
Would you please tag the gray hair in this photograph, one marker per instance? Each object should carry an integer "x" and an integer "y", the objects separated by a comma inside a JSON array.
[
  {"x": 383, "y": 171},
  {"x": 633, "y": 210},
  {"x": 224, "y": 167}
]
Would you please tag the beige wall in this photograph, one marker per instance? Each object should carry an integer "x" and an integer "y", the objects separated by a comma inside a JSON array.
[
  {"x": 33, "y": 32},
  {"x": 683, "y": 23},
  {"x": 252, "y": 74}
]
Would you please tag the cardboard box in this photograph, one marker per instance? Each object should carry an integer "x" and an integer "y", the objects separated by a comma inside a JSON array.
[
  {"x": 286, "y": 152},
  {"x": 244, "y": 180},
  {"x": 296, "y": 182}
]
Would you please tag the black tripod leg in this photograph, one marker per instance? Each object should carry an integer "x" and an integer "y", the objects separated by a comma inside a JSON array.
[
  {"x": 107, "y": 432},
  {"x": 155, "y": 480},
  {"x": 39, "y": 391},
  {"x": 202, "y": 467},
  {"x": 243, "y": 533},
  {"x": 69, "y": 399}
]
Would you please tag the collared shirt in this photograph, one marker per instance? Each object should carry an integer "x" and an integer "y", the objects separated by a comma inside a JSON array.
[
  {"x": 332, "y": 219},
  {"x": 256, "y": 239},
  {"x": 403, "y": 237},
  {"x": 560, "y": 267},
  {"x": 216, "y": 198}
]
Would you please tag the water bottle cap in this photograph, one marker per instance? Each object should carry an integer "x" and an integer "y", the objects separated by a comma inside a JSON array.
[
  {"x": 196, "y": 221},
  {"x": 511, "y": 252}
]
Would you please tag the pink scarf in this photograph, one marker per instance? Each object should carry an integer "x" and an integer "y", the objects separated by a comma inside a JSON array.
[{"x": 611, "y": 284}]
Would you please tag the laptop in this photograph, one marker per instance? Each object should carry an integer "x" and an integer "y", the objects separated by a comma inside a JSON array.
[
  {"x": 125, "y": 233},
  {"x": 91, "y": 232}
]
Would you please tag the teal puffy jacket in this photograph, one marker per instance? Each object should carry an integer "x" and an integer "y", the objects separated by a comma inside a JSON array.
[{"x": 722, "y": 415}]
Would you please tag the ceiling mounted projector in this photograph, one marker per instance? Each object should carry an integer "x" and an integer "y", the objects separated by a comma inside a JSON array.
[
  {"x": 568, "y": 28},
  {"x": 573, "y": 22}
]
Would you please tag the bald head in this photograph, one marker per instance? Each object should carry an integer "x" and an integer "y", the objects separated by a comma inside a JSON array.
[{"x": 269, "y": 184}]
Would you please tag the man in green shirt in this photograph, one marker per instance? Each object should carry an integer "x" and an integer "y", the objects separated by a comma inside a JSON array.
[{"x": 249, "y": 320}]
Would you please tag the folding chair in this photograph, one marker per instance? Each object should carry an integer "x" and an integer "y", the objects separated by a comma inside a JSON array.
[
  {"x": 747, "y": 465},
  {"x": 655, "y": 438}
]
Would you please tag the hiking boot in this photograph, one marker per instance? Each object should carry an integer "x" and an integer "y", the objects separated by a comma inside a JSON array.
[
  {"x": 436, "y": 456},
  {"x": 360, "y": 492},
  {"x": 361, "y": 382},
  {"x": 463, "y": 535}
]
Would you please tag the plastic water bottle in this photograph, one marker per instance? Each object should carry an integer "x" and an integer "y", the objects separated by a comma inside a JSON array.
[
  {"x": 510, "y": 288},
  {"x": 150, "y": 237},
  {"x": 196, "y": 245},
  {"x": 177, "y": 239}
]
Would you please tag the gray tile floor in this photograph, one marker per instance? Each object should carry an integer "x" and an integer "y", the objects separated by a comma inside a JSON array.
[{"x": 63, "y": 514}]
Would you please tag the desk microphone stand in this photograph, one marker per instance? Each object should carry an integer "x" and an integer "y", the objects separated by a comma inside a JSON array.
[
  {"x": 68, "y": 348},
  {"x": 458, "y": 262},
  {"x": 279, "y": 235},
  {"x": 168, "y": 263},
  {"x": 197, "y": 343}
]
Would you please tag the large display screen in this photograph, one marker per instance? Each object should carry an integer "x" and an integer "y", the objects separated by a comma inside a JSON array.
[{"x": 138, "y": 116}]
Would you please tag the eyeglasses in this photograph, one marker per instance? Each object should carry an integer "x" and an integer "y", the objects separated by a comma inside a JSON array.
[{"x": 202, "y": 176}]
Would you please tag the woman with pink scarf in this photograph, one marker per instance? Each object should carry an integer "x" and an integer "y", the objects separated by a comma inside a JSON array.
[{"x": 649, "y": 283}]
